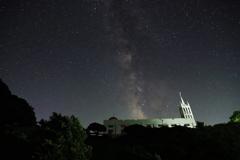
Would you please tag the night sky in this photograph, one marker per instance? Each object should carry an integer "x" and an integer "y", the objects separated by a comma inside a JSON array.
[{"x": 130, "y": 58}]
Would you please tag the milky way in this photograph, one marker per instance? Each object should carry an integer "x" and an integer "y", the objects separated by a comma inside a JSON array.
[{"x": 136, "y": 94}]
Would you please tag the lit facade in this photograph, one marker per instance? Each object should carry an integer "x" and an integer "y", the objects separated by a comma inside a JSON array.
[{"x": 116, "y": 126}]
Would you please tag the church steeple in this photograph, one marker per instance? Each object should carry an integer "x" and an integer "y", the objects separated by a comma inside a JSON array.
[
  {"x": 185, "y": 109},
  {"x": 182, "y": 101}
]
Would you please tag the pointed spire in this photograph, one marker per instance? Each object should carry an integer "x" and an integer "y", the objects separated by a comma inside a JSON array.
[{"x": 182, "y": 101}]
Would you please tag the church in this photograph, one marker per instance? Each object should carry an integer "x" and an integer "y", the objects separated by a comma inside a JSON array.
[{"x": 115, "y": 126}]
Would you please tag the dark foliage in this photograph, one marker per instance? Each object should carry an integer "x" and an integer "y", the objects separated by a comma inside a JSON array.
[
  {"x": 235, "y": 117},
  {"x": 221, "y": 141},
  {"x": 135, "y": 130},
  {"x": 14, "y": 111},
  {"x": 4, "y": 91},
  {"x": 96, "y": 128},
  {"x": 60, "y": 138},
  {"x": 14, "y": 146}
]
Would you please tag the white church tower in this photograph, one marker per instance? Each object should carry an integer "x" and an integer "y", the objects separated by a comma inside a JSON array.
[{"x": 185, "y": 109}]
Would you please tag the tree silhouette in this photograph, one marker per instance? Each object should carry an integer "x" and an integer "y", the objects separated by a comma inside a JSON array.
[
  {"x": 96, "y": 128},
  {"x": 16, "y": 117},
  {"x": 235, "y": 116},
  {"x": 135, "y": 130},
  {"x": 4, "y": 91},
  {"x": 14, "y": 110}
]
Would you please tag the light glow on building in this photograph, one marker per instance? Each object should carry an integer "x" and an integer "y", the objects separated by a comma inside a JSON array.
[{"x": 116, "y": 126}]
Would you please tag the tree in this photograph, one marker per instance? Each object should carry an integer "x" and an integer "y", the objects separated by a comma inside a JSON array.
[
  {"x": 14, "y": 110},
  {"x": 17, "y": 118},
  {"x": 96, "y": 128},
  {"x": 135, "y": 130},
  {"x": 61, "y": 138},
  {"x": 4, "y": 91},
  {"x": 200, "y": 125},
  {"x": 235, "y": 116}
]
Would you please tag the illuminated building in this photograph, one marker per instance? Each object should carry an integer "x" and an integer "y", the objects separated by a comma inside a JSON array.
[{"x": 116, "y": 126}]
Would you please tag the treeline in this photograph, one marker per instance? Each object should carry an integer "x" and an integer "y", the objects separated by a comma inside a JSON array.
[
  {"x": 64, "y": 138},
  {"x": 221, "y": 142},
  {"x": 21, "y": 137}
]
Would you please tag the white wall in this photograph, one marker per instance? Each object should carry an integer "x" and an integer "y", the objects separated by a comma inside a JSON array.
[{"x": 117, "y": 125}]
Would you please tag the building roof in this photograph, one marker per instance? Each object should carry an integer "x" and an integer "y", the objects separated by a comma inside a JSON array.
[{"x": 112, "y": 118}]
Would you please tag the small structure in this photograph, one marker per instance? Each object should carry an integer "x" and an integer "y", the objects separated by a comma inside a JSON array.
[{"x": 115, "y": 126}]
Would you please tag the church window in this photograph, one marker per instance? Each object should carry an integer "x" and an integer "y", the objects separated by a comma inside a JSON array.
[{"x": 189, "y": 111}]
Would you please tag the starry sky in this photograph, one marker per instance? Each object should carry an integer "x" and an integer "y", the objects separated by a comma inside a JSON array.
[{"x": 127, "y": 58}]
